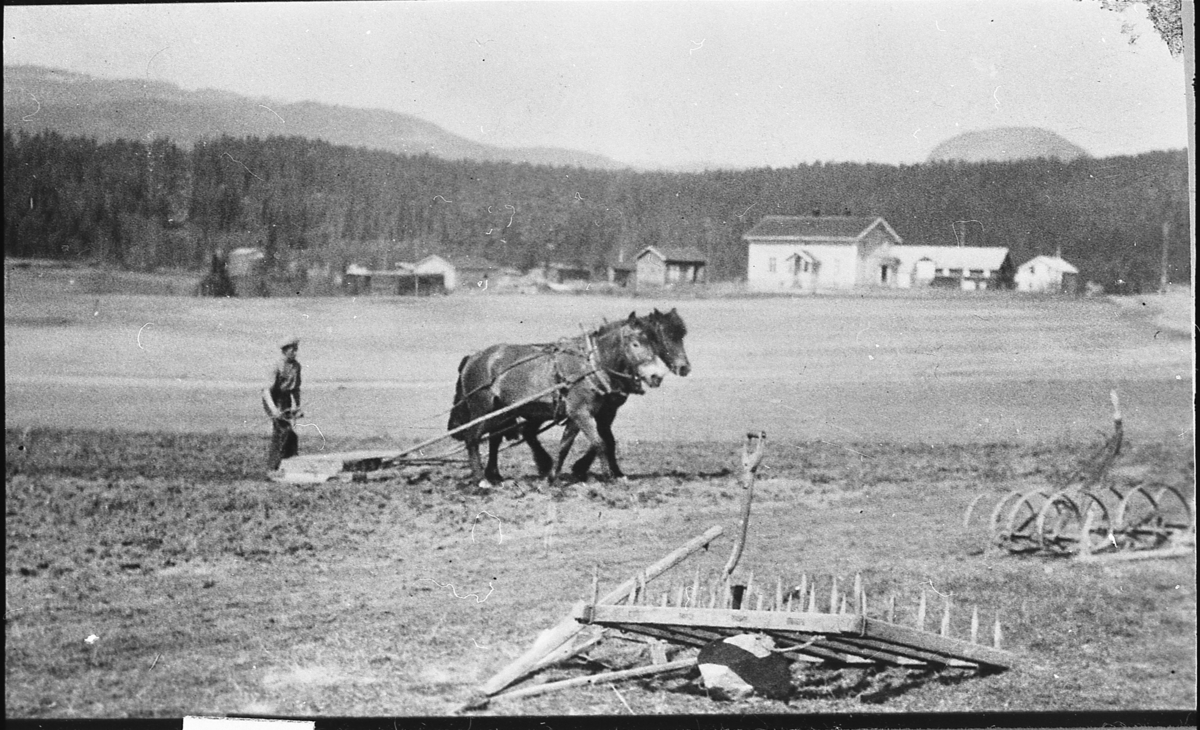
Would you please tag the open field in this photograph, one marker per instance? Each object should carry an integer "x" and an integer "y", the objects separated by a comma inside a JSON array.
[{"x": 136, "y": 512}]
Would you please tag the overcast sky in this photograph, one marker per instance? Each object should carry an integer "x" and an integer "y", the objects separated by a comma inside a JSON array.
[{"x": 660, "y": 83}]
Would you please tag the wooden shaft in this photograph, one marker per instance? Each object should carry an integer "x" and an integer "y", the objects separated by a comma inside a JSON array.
[
  {"x": 996, "y": 637},
  {"x": 812, "y": 598},
  {"x": 921, "y": 612},
  {"x": 833, "y": 596},
  {"x": 975, "y": 625},
  {"x": 891, "y": 611},
  {"x": 946, "y": 618},
  {"x": 802, "y": 591},
  {"x": 468, "y": 424},
  {"x": 779, "y": 593},
  {"x": 597, "y": 678}
]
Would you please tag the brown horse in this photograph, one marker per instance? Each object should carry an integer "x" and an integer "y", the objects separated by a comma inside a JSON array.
[{"x": 573, "y": 380}]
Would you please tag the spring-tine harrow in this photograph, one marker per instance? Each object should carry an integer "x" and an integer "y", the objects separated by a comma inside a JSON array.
[{"x": 1086, "y": 516}]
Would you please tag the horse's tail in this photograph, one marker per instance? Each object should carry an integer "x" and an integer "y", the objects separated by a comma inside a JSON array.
[{"x": 460, "y": 413}]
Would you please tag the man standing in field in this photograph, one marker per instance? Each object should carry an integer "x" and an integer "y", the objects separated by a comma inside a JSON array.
[{"x": 281, "y": 399}]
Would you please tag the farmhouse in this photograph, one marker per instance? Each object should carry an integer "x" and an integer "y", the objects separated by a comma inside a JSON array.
[
  {"x": 821, "y": 252},
  {"x": 969, "y": 268},
  {"x": 1048, "y": 275},
  {"x": 667, "y": 266}
]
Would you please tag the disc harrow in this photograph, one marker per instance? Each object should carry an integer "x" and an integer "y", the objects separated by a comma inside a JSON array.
[{"x": 1086, "y": 515}]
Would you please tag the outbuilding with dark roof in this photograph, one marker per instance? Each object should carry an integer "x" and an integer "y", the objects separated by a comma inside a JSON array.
[{"x": 668, "y": 265}]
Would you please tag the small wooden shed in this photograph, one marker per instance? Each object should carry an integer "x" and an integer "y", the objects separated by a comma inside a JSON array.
[
  {"x": 1047, "y": 275},
  {"x": 668, "y": 266}
]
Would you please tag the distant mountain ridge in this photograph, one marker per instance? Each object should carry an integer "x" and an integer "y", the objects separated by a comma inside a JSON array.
[
  {"x": 73, "y": 104},
  {"x": 1006, "y": 144}
]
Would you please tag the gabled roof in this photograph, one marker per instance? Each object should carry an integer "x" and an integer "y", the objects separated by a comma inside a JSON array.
[
  {"x": 679, "y": 254},
  {"x": 833, "y": 228},
  {"x": 464, "y": 262},
  {"x": 952, "y": 257},
  {"x": 1054, "y": 262}
]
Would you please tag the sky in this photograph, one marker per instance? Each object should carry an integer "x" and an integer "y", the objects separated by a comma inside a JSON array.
[{"x": 658, "y": 83}]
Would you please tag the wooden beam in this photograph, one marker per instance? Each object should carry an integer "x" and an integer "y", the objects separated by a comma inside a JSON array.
[
  {"x": 597, "y": 678},
  {"x": 816, "y": 623},
  {"x": 945, "y": 646}
]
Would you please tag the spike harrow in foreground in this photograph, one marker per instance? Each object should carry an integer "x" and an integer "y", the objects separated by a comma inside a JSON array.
[{"x": 838, "y": 631}]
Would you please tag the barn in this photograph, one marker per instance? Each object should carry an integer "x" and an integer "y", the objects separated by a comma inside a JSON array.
[
  {"x": 970, "y": 268},
  {"x": 1047, "y": 275},
  {"x": 668, "y": 266},
  {"x": 821, "y": 252},
  {"x": 464, "y": 272}
]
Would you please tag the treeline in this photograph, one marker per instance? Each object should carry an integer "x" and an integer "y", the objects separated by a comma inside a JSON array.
[{"x": 144, "y": 205}]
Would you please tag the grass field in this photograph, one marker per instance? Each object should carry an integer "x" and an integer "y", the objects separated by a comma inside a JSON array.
[{"x": 136, "y": 511}]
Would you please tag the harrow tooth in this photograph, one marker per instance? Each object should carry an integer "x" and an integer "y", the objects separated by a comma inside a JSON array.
[
  {"x": 891, "y": 609},
  {"x": 975, "y": 625},
  {"x": 833, "y": 596},
  {"x": 921, "y": 612},
  {"x": 778, "y": 594},
  {"x": 812, "y": 598},
  {"x": 946, "y": 617},
  {"x": 996, "y": 632}
]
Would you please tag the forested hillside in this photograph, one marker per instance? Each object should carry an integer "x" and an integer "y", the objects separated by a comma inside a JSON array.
[{"x": 146, "y": 205}]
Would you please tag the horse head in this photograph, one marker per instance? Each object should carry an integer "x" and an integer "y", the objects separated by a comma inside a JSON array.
[
  {"x": 668, "y": 330},
  {"x": 640, "y": 352}
]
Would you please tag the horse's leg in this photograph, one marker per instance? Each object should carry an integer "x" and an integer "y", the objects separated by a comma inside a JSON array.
[
  {"x": 492, "y": 474},
  {"x": 529, "y": 431},
  {"x": 604, "y": 421},
  {"x": 570, "y": 431},
  {"x": 587, "y": 426},
  {"x": 471, "y": 437}
]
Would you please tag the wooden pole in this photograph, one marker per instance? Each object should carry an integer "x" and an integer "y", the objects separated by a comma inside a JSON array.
[
  {"x": 597, "y": 678},
  {"x": 750, "y": 463},
  {"x": 566, "y": 629},
  {"x": 1164, "y": 278},
  {"x": 468, "y": 424}
]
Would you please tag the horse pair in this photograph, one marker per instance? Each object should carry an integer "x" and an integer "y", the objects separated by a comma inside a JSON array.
[{"x": 581, "y": 381}]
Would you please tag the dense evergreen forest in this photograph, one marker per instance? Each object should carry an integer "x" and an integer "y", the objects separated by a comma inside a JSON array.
[{"x": 145, "y": 205}]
